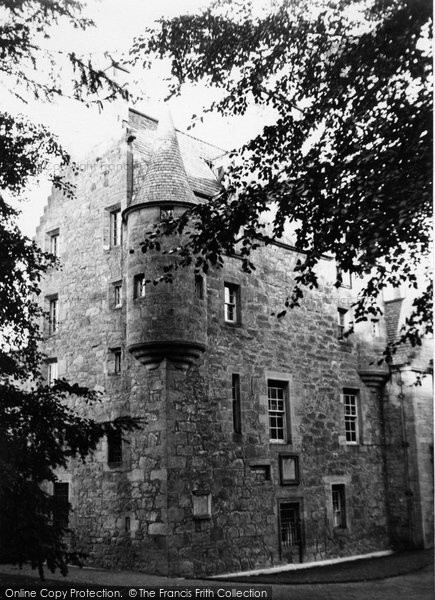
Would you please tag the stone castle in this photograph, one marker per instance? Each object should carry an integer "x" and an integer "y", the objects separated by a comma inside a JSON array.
[{"x": 264, "y": 441}]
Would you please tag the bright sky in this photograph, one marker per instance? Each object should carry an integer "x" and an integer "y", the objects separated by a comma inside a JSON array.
[{"x": 80, "y": 128}]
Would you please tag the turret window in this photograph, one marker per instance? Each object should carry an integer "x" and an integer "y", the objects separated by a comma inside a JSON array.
[{"x": 139, "y": 286}]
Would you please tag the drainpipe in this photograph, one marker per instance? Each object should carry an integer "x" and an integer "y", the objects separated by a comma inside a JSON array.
[{"x": 405, "y": 446}]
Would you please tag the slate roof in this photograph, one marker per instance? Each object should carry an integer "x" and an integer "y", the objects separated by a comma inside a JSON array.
[{"x": 174, "y": 163}]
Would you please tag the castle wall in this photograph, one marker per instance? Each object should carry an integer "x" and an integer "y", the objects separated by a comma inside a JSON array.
[{"x": 192, "y": 496}]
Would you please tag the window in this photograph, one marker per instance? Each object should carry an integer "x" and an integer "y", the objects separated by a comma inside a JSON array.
[
  {"x": 341, "y": 323},
  {"x": 199, "y": 287},
  {"x": 166, "y": 212},
  {"x": 139, "y": 286},
  {"x": 289, "y": 469},
  {"x": 52, "y": 322},
  {"x": 117, "y": 293},
  {"x": 350, "y": 400},
  {"x": 277, "y": 393},
  {"x": 127, "y": 524},
  {"x": 114, "y": 447},
  {"x": 237, "y": 413},
  {"x": 338, "y": 506},
  {"x": 61, "y": 503},
  {"x": 344, "y": 278},
  {"x": 115, "y": 227},
  {"x": 232, "y": 303},
  {"x": 54, "y": 243},
  {"x": 116, "y": 356},
  {"x": 52, "y": 372}
]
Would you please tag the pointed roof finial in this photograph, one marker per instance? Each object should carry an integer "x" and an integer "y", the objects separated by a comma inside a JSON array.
[{"x": 166, "y": 178}]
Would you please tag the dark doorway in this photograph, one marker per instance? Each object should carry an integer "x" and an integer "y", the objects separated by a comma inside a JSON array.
[{"x": 290, "y": 531}]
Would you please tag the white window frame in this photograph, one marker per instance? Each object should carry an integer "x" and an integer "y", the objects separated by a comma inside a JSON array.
[
  {"x": 52, "y": 372},
  {"x": 115, "y": 227},
  {"x": 139, "y": 286},
  {"x": 117, "y": 293},
  {"x": 277, "y": 397},
  {"x": 53, "y": 315},
  {"x": 351, "y": 416},
  {"x": 54, "y": 243},
  {"x": 341, "y": 323},
  {"x": 231, "y": 303}
]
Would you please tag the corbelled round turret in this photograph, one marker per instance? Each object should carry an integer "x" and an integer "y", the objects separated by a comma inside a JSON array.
[{"x": 168, "y": 320}]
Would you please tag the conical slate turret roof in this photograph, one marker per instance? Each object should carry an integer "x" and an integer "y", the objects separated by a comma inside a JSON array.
[{"x": 166, "y": 179}]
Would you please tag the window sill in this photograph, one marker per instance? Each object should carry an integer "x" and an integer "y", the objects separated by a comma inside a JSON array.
[
  {"x": 341, "y": 531},
  {"x": 233, "y": 325},
  {"x": 116, "y": 466}
]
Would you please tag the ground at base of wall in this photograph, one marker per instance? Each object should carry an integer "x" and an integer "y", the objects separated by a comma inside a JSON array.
[
  {"x": 352, "y": 571},
  {"x": 365, "y": 569}
]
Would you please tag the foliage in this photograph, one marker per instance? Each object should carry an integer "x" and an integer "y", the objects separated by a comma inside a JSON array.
[
  {"x": 347, "y": 161},
  {"x": 39, "y": 431}
]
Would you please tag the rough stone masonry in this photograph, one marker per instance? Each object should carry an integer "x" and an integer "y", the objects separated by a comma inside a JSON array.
[{"x": 265, "y": 440}]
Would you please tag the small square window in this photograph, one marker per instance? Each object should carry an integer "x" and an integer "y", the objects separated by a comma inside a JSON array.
[
  {"x": 52, "y": 372},
  {"x": 260, "y": 472},
  {"x": 166, "y": 212},
  {"x": 139, "y": 286},
  {"x": 115, "y": 227},
  {"x": 232, "y": 303},
  {"x": 289, "y": 469},
  {"x": 114, "y": 447},
  {"x": 338, "y": 506},
  {"x": 117, "y": 295},
  {"x": 201, "y": 505}
]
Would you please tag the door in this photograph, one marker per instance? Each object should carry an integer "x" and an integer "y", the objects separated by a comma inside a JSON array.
[{"x": 290, "y": 531}]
